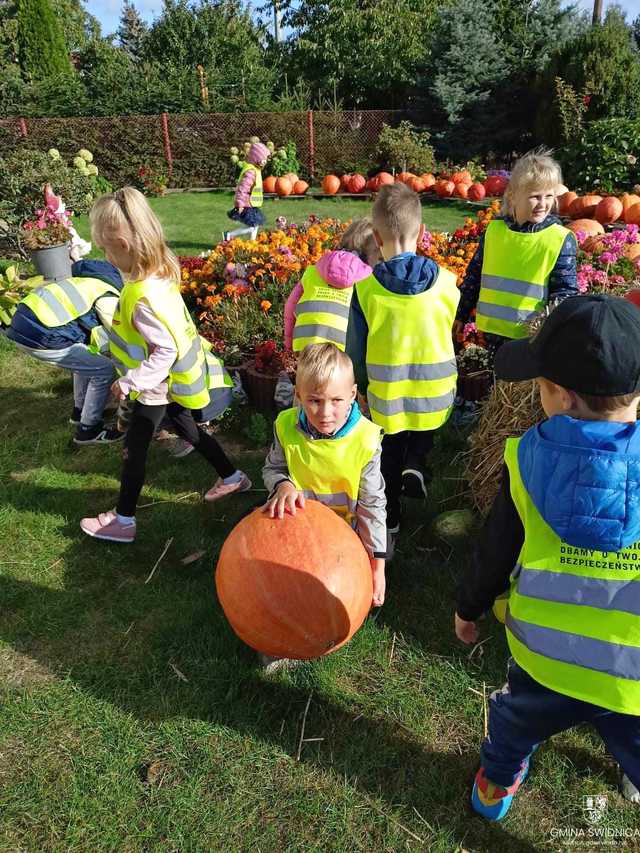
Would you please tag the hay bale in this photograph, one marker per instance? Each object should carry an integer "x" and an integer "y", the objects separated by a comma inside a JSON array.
[{"x": 509, "y": 411}]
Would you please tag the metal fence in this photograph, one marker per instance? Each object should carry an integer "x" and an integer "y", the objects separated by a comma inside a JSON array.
[{"x": 194, "y": 147}]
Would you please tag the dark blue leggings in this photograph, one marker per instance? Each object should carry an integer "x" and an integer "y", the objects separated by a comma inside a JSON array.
[{"x": 525, "y": 714}]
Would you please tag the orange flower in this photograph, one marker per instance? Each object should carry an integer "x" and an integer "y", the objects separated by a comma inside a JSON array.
[{"x": 265, "y": 305}]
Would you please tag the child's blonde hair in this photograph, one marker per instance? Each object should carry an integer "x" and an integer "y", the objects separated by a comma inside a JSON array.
[
  {"x": 359, "y": 238},
  {"x": 397, "y": 211},
  {"x": 126, "y": 213},
  {"x": 319, "y": 363},
  {"x": 534, "y": 170}
]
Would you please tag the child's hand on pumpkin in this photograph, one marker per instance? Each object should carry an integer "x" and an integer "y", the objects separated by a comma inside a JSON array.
[
  {"x": 286, "y": 499},
  {"x": 379, "y": 582},
  {"x": 467, "y": 632}
]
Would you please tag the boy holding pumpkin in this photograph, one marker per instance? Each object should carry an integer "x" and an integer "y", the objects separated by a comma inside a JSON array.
[
  {"x": 401, "y": 345},
  {"x": 325, "y": 450},
  {"x": 524, "y": 260}
]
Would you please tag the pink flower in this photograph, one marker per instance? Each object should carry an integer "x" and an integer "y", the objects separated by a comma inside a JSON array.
[{"x": 608, "y": 258}]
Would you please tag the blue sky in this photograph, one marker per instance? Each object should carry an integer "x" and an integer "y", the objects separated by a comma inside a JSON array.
[{"x": 108, "y": 11}]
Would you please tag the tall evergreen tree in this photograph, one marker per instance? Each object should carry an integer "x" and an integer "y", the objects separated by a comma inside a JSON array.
[
  {"x": 132, "y": 31},
  {"x": 42, "y": 51}
]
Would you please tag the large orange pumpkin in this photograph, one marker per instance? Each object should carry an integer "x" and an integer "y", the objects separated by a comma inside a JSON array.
[
  {"x": 428, "y": 180},
  {"x": 462, "y": 177},
  {"x": 300, "y": 187},
  {"x": 417, "y": 185},
  {"x": 632, "y": 251},
  {"x": 356, "y": 183},
  {"x": 385, "y": 178},
  {"x": 292, "y": 177},
  {"x": 476, "y": 192},
  {"x": 590, "y": 227},
  {"x": 608, "y": 210},
  {"x": 284, "y": 186},
  {"x": 404, "y": 177},
  {"x": 495, "y": 185},
  {"x": 584, "y": 206},
  {"x": 628, "y": 200},
  {"x": 344, "y": 183},
  {"x": 296, "y": 587},
  {"x": 445, "y": 188},
  {"x": 330, "y": 184},
  {"x": 269, "y": 184},
  {"x": 565, "y": 201},
  {"x": 461, "y": 190},
  {"x": 633, "y": 214}
]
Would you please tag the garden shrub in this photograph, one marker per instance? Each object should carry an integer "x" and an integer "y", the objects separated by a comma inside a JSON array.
[
  {"x": 406, "y": 149},
  {"x": 606, "y": 157}
]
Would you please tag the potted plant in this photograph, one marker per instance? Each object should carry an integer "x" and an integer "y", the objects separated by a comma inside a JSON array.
[
  {"x": 260, "y": 376},
  {"x": 48, "y": 238},
  {"x": 475, "y": 378}
]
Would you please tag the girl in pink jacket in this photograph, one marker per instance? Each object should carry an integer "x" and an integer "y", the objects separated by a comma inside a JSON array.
[
  {"x": 248, "y": 198},
  {"x": 317, "y": 310}
]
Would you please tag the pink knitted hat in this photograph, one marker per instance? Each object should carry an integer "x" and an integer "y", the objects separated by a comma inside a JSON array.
[{"x": 257, "y": 153}]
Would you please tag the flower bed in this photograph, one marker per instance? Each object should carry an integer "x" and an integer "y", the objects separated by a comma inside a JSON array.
[{"x": 237, "y": 293}]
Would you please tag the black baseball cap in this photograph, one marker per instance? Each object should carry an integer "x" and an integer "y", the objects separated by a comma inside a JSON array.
[{"x": 588, "y": 344}]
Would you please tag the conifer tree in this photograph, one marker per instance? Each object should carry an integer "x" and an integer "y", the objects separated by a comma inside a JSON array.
[
  {"x": 131, "y": 31},
  {"x": 42, "y": 50}
]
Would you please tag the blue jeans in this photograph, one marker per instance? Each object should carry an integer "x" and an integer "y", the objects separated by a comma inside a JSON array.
[
  {"x": 524, "y": 713},
  {"x": 93, "y": 375}
]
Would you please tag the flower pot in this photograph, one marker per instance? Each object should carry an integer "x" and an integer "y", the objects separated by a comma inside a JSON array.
[
  {"x": 260, "y": 388},
  {"x": 475, "y": 386},
  {"x": 53, "y": 262}
]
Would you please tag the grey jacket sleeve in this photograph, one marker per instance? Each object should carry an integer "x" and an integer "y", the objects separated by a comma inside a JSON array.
[
  {"x": 275, "y": 469},
  {"x": 371, "y": 511}
]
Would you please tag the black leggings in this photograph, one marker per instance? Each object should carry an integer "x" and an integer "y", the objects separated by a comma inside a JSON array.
[
  {"x": 144, "y": 421},
  {"x": 401, "y": 451}
]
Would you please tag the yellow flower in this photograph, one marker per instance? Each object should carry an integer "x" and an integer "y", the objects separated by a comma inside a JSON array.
[{"x": 265, "y": 305}]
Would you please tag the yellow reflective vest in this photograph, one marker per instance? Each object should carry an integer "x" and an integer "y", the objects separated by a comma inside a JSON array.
[
  {"x": 328, "y": 470},
  {"x": 573, "y": 616},
  {"x": 515, "y": 274},
  {"x": 411, "y": 363},
  {"x": 62, "y": 302},
  {"x": 322, "y": 312},
  {"x": 256, "y": 196},
  {"x": 195, "y": 371}
]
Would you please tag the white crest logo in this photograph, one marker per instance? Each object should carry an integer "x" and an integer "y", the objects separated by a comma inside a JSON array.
[{"x": 594, "y": 807}]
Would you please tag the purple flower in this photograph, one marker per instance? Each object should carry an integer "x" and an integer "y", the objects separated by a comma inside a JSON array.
[{"x": 608, "y": 258}]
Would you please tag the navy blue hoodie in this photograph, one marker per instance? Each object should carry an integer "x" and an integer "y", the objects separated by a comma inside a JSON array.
[
  {"x": 408, "y": 274},
  {"x": 27, "y": 330},
  {"x": 584, "y": 479}
]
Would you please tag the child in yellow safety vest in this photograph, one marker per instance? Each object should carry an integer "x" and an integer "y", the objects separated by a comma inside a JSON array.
[
  {"x": 525, "y": 259},
  {"x": 563, "y": 536},
  {"x": 162, "y": 362},
  {"x": 325, "y": 450},
  {"x": 248, "y": 200},
  {"x": 317, "y": 309},
  {"x": 401, "y": 345}
]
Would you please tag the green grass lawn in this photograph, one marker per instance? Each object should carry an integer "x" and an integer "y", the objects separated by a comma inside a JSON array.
[
  {"x": 132, "y": 719},
  {"x": 194, "y": 222}
]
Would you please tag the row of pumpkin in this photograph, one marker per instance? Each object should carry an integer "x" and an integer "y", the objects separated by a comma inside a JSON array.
[
  {"x": 458, "y": 184},
  {"x": 590, "y": 213}
]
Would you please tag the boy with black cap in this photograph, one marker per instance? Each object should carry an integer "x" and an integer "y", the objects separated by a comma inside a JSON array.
[{"x": 564, "y": 532}]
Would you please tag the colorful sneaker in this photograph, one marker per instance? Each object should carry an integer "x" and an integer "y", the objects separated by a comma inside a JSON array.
[
  {"x": 492, "y": 801},
  {"x": 106, "y": 526},
  {"x": 181, "y": 448},
  {"x": 223, "y": 490},
  {"x": 97, "y": 435},
  {"x": 413, "y": 485},
  {"x": 74, "y": 420}
]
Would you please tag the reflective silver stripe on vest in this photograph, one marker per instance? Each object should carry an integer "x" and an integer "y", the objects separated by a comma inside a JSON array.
[
  {"x": 503, "y": 312},
  {"x": 318, "y": 330},
  {"x": 183, "y": 389},
  {"x": 323, "y": 306},
  {"x": 574, "y": 589},
  {"x": 134, "y": 351},
  {"x": 189, "y": 360},
  {"x": 215, "y": 368},
  {"x": 412, "y": 405},
  {"x": 415, "y": 372},
  {"x": 331, "y": 499},
  {"x": 61, "y": 313},
  {"x": 612, "y": 658},
  {"x": 513, "y": 285},
  {"x": 74, "y": 297}
]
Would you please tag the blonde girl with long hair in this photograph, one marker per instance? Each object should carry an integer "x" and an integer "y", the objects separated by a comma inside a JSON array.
[
  {"x": 525, "y": 259},
  {"x": 163, "y": 364}
]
